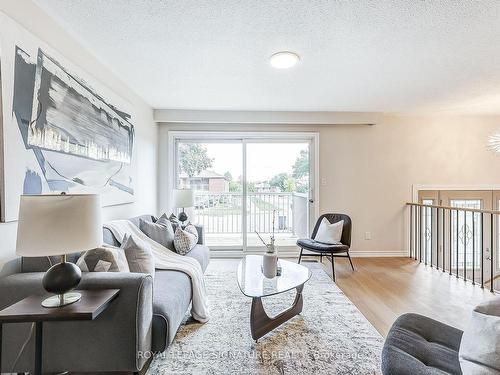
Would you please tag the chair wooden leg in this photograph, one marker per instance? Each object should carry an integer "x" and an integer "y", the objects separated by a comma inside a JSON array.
[
  {"x": 300, "y": 256},
  {"x": 350, "y": 261},
  {"x": 333, "y": 267}
]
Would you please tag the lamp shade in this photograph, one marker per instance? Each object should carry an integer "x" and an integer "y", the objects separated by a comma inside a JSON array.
[
  {"x": 58, "y": 224},
  {"x": 183, "y": 198}
]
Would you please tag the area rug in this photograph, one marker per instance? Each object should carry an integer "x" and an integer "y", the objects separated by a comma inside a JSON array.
[{"x": 330, "y": 336}]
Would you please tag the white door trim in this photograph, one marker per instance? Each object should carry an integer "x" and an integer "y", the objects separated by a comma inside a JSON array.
[{"x": 417, "y": 187}]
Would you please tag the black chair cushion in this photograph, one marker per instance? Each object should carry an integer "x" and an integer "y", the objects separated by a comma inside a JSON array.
[
  {"x": 312, "y": 245},
  {"x": 418, "y": 345}
]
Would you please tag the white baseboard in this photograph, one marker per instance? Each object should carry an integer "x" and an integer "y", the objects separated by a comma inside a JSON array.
[
  {"x": 294, "y": 253},
  {"x": 376, "y": 254}
]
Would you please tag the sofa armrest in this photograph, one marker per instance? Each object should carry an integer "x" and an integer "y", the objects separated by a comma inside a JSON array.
[
  {"x": 116, "y": 340},
  {"x": 201, "y": 234}
]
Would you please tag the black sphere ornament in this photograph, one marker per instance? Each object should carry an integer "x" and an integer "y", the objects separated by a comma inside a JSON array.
[
  {"x": 61, "y": 278},
  {"x": 183, "y": 216}
]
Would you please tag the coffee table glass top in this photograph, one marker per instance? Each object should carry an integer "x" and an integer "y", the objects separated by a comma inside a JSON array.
[{"x": 253, "y": 283}]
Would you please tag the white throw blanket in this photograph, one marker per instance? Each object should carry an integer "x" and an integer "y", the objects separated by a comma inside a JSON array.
[{"x": 166, "y": 259}]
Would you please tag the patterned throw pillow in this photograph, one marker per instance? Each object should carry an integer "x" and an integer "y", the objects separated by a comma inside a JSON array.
[
  {"x": 103, "y": 259},
  {"x": 190, "y": 228},
  {"x": 184, "y": 240},
  {"x": 139, "y": 255},
  {"x": 161, "y": 231}
]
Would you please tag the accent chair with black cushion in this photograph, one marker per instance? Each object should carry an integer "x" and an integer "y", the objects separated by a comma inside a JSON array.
[{"x": 320, "y": 249}]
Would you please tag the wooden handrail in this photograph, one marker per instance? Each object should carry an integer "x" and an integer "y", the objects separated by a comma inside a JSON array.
[
  {"x": 494, "y": 212},
  {"x": 487, "y": 281}
]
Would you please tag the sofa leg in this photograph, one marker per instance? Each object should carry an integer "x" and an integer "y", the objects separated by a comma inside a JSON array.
[
  {"x": 300, "y": 256},
  {"x": 350, "y": 261},
  {"x": 333, "y": 267},
  {"x": 321, "y": 258}
]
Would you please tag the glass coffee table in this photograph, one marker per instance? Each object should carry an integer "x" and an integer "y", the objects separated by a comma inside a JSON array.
[{"x": 255, "y": 285}]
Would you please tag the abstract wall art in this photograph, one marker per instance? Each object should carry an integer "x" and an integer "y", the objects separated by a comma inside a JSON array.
[{"x": 62, "y": 130}]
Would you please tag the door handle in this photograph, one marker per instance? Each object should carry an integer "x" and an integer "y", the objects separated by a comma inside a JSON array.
[{"x": 311, "y": 200}]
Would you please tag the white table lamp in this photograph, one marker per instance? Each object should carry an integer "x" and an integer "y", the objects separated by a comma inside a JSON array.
[
  {"x": 58, "y": 225},
  {"x": 183, "y": 198}
]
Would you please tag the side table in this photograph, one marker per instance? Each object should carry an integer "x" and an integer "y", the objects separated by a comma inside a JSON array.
[{"x": 30, "y": 310}]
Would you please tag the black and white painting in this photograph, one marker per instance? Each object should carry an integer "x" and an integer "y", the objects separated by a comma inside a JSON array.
[{"x": 60, "y": 132}]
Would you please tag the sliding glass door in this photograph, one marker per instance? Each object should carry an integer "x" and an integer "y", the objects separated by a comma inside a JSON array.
[
  {"x": 214, "y": 171},
  {"x": 278, "y": 178},
  {"x": 245, "y": 185}
]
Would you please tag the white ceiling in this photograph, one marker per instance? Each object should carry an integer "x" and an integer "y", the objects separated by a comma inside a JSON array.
[{"x": 391, "y": 56}]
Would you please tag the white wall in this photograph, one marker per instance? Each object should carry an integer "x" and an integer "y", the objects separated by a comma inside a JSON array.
[
  {"x": 34, "y": 20},
  {"x": 370, "y": 170}
]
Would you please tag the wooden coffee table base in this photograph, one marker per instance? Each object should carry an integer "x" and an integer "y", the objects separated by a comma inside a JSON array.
[{"x": 261, "y": 323}]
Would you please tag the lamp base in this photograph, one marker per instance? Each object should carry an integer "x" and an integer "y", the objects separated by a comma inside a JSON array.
[
  {"x": 60, "y": 279},
  {"x": 183, "y": 216},
  {"x": 61, "y": 300}
]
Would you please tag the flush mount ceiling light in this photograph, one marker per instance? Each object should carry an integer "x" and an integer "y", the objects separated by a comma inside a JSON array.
[{"x": 284, "y": 60}]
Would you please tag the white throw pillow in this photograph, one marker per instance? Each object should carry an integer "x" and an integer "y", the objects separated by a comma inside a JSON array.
[
  {"x": 139, "y": 255},
  {"x": 329, "y": 234},
  {"x": 103, "y": 259},
  {"x": 184, "y": 241},
  {"x": 480, "y": 346}
]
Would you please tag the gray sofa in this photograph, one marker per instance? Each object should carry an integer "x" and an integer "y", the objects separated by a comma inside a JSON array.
[
  {"x": 145, "y": 317},
  {"x": 418, "y": 345}
]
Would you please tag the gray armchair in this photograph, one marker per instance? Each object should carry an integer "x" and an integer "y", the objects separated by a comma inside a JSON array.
[
  {"x": 320, "y": 249},
  {"x": 418, "y": 345}
]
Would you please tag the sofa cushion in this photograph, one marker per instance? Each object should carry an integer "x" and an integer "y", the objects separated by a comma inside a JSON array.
[
  {"x": 171, "y": 299},
  {"x": 202, "y": 254},
  {"x": 417, "y": 345},
  {"x": 313, "y": 245}
]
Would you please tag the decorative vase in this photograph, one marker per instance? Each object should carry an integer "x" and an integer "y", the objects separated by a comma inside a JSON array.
[{"x": 270, "y": 262}]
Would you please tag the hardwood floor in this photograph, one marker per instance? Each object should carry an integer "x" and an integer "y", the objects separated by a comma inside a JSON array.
[{"x": 384, "y": 288}]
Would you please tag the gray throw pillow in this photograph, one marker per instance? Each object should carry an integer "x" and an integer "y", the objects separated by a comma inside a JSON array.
[
  {"x": 480, "y": 346},
  {"x": 174, "y": 219},
  {"x": 161, "y": 231},
  {"x": 185, "y": 240},
  {"x": 139, "y": 255},
  {"x": 103, "y": 259}
]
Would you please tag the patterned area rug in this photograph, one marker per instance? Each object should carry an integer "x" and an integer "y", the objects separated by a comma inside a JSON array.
[{"x": 330, "y": 336}]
